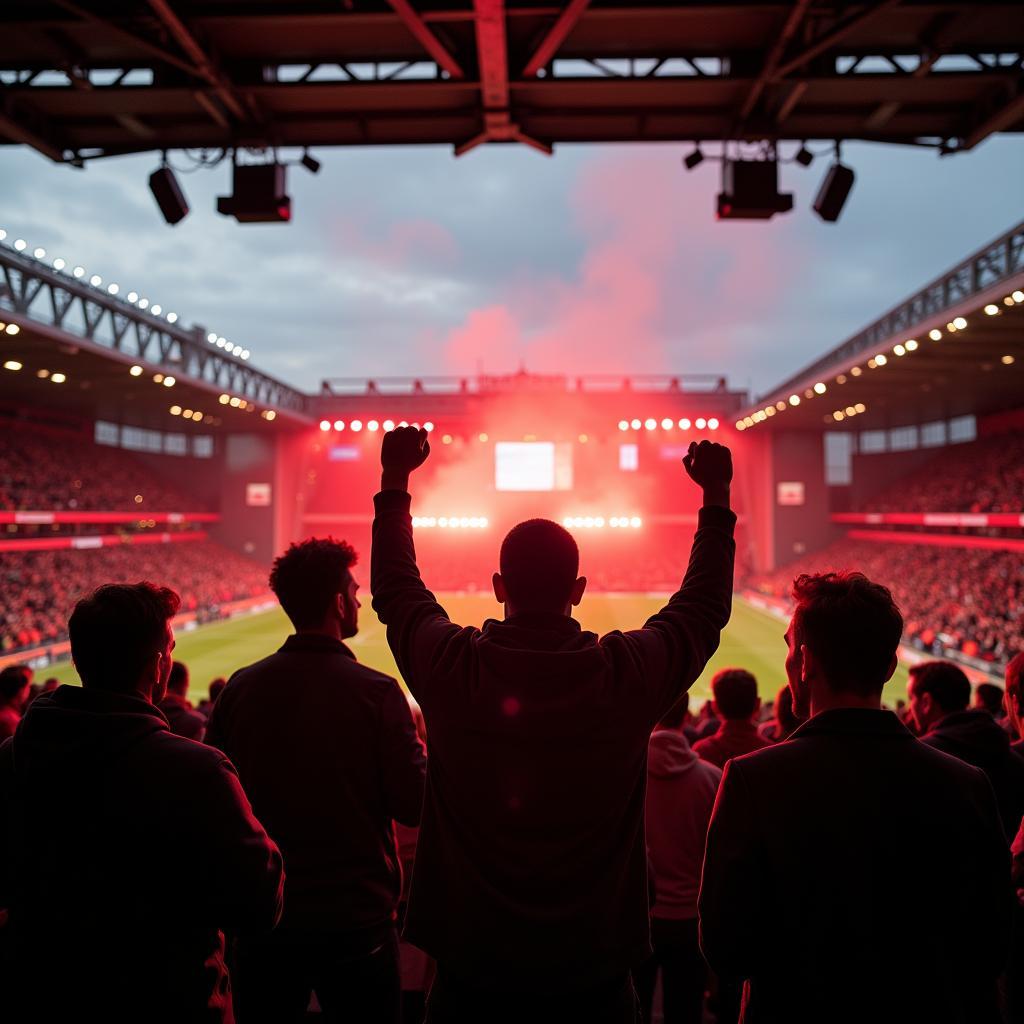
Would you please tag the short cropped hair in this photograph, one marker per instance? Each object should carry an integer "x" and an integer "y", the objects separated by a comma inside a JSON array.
[
  {"x": 990, "y": 697},
  {"x": 177, "y": 681},
  {"x": 851, "y": 625},
  {"x": 676, "y": 715},
  {"x": 947, "y": 683},
  {"x": 216, "y": 687},
  {"x": 735, "y": 691},
  {"x": 539, "y": 564},
  {"x": 117, "y": 629},
  {"x": 309, "y": 576},
  {"x": 13, "y": 679}
]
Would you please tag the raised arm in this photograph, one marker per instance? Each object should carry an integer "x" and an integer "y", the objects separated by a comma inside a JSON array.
[
  {"x": 675, "y": 644},
  {"x": 417, "y": 626}
]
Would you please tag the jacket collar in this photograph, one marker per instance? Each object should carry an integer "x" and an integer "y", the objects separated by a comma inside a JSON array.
[
  {"x": 315, "y": 643},
  {"x": 854, "y": 722},
  {"x": 539, "y": 620}
]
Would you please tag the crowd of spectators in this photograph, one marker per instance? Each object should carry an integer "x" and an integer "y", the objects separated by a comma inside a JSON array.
[
  {"x": 38, "y": 588},
  {"x": 54, "y": 471},
  {"x": 981, "y": 476},
  {"x": 953, "y": 599}
]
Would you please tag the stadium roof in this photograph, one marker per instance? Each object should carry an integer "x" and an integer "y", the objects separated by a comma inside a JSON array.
[
  {"x": 83, "y": 79},
  {"x": 953, "y": 348},
  {"x": 120, "y": 357}
]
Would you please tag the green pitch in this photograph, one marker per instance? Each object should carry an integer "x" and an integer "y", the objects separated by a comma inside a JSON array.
[{"x": 752, "y": 640}]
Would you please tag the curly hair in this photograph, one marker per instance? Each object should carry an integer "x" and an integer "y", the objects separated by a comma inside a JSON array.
[
  {"x": 308, "y": 577},
  {"x": 851, "y": 625}
]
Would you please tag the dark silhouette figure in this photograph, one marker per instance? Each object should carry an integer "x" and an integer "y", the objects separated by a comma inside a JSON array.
[
  {"x": 799, "y": 895},
  {"x": 781, "y": 726},
  {"x": 124, "y": 849},
  {"x": 681, "y": 792},
  {"x": 736, "y": 703},
  {"x": 216, "y": 689},
  {"x": 530, "y": 884},
  {"x": 177, "y": 708},
  {"x": 1013, "y": 701},
  {"x": 15, "y": 686},
  {"x": 328, "y": 752},
  {"x": 989, "y": 697},
  {"x": 939, "y": 694}
]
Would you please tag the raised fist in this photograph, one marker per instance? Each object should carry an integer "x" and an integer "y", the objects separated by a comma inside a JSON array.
[
  {"x": 404, "y": 449},
  {"x": 709, "y": 465}
]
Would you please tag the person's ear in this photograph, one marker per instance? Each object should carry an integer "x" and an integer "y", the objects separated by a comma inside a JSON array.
[
  {"x": 154, "y": 676},
  {"x": 500, "y": 593},
  {"x": 577, "y": 590},
  {"x": 807, "y": 665}
]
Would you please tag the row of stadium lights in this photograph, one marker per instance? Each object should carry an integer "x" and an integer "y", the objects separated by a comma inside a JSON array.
[
  {"x": 60, "y": 264},
  {"x": 668, "y": 424},
  {"x": 374, "y": 425},
  {"x": 451, "y": 522},
  {"x": 876, "y": 362},
  {"x": 599, "y": 522},
  {"x": 15, "y": 365}
]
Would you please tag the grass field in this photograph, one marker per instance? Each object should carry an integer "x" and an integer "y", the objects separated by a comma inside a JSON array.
[{"x": 752, "y": 640}]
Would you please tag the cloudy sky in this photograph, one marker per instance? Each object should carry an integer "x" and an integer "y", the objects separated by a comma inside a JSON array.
[{"x": 600, "y": 258}]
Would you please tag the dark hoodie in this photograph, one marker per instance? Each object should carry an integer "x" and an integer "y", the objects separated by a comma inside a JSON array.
[
  {"x": 124, "y": 849},
  {"x": 681, "y": 790},
  {"x": 976, "y": 737},
  {"x": 531, "y": 867}
]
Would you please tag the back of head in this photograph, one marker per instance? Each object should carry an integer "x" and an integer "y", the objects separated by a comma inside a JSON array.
[
  {"x": 675, "y": 716},
  {"x": 539, "y": 564},
  {"x": 949, "y": 687},
  {"x": 216, "y": 686},
  {"x": 735, "y": 691},
  {"x": 116, "y": 630},
  {"x": 308, "y": 577},
  {"x": 852, "y": 627},
  {"x": 177, "y": 681},
  {"x": 13, "y": 680},
  {"x": 784, "y": 715},
  {"x": 990, "y": 697}
]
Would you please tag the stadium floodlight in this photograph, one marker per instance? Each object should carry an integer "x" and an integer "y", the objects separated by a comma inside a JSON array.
[
  {"x": 3, "y": 234},
  {"x": 339, "y": 425},
  {"x": 58, "y": 378},
  {"x": 20, "y": 244},
  {"x": 667, "y": 424},
  {"x": 310, "y": 163},
  {"x": 694, "y": 159},
  {"x": 59, "y": 264},
  {"x": 750, "y": 191},
  {"x": 1018, "y": 296},
  {"x": 156, "y": 309},
  {"x": 684, "y": 423},
  {"x": 372, "y": 425},
  {"x": 794, "y": 399},
  {"x": 819, "y": 388},
  {"x": 428, "y": 427},
  {"x": 911, "y": 345},
  {"x": 1008, "y": 360},
  {"x": 169, "y": 382},
  {"x": 388, "y": 426},
  {"x": 325, "y": 425},
  {"x": 899, "y": 350},
  {"x": 701, "y": 423},
  {"x": 95, "y": 280},
  {"x": 168, "y": 194},
  {"x": 12, "y": 329},
  {"x": 78, "y": 272},
  {"x": 143, "y": 303},
  {"x": 623, "y": 424},
  {"x": 960, "y": 323},
  {"x": 804, "y": 157},
  {"x": 172, "y": 318},
  {"x": 39, "y": 252},
  {"x": 935, "y": 334},
  {"x": 258, "y": 194},
  {"x": 635, "y": 424},
  {"x": 712, "y": 423},
  {"x": 136, "y": 371},
  {"x": 356, "y": 425},
  {"x": 113, "y": 289},
  {"x": 13, "y": 365},
  {"x": 132, "y": 296},
  {"x": 650, "y": 423},
  {"x": 991, "y": 309}
]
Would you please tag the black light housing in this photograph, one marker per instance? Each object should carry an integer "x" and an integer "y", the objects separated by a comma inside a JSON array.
[
  {"x": 310, "y": 163},
  {"x": 168, "y": 195},
  {"x": 804, "y": 156},
  {"x": 831, "y": 197},
  {"x": 750, "y": 191},
  {"x": 694, "y": 159},
  {"x": 258, "y": 195}
]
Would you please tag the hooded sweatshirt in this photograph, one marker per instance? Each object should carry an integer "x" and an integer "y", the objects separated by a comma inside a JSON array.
[
  {"x": 976, "y": 737},
  {"x": 531, "y": 868},
  {"x": 681, "y": 790},
  {"x": 124, "y": 850}
]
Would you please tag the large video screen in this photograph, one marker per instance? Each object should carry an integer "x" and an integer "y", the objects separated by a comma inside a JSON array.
[{"x": 532, "y": 466}]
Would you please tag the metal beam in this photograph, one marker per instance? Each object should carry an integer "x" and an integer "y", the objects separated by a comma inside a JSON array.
[
  {"x": 556, "y": 36},
  {"x": 28, "y": 136},
  {"x": 426, "y": 38},
  {"x": 998, "y": 120},
  {"x": 833, "y": 36},
  {"x": 203, "y": 63},
  {"x": 796, "y": 15}
]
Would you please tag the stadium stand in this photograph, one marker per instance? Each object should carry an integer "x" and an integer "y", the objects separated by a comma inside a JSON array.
[
  {"x": 42, "y": 469},
  {"x": 953, "y": 599},
  {"x": 983, "y": 476},
  {"x": 38, "y": 589}
]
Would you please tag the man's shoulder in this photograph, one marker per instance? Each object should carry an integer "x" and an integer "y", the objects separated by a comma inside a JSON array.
[
  {"x": 281, "y": 667},
  {"x": 165, "y": 746}
]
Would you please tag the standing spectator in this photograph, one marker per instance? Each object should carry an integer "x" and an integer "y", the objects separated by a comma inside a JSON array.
[
  {"x": 798, "y": 895},
  {"x": 328, "y": 751},
  {"x": 736, "y": 704},
  {"x": 530, "y": 886},
  {"x": 1013, "y": 698},
  {"x": 681, "y": 792},
  {"x": 779, "y": 728},
  {"x": 939, "y": 693},
  {"x": 989, "y": 697},
  {"x": 216, "y": 688},
  {"x": 177, "y": 708},
  {"x": 122, "y": 846},
  {"x": 15, "y": 684}
]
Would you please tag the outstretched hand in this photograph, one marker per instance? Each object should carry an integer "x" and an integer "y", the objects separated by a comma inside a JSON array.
[
  {"x": 709, "y": 465},
  {"x": 402, "y": 450}
]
